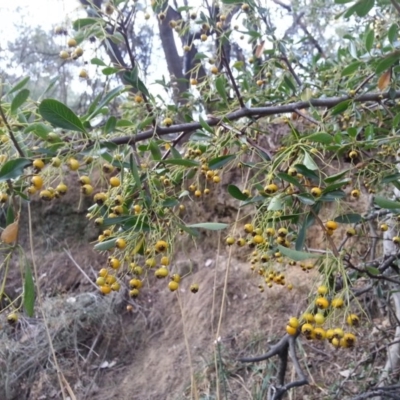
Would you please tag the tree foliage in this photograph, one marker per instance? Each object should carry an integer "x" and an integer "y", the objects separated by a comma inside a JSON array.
[{"x": 290, "y": 122}]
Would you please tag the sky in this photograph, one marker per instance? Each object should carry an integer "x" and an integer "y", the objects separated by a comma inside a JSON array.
[{"x": 43, "y": 13}]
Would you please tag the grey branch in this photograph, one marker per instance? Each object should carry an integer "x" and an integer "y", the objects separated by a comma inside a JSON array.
[{"x": 254, "y": 112}]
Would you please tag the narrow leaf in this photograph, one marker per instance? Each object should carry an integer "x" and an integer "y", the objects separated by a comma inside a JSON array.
[
  {"x": 385, "y": 203},
  {"x": 219, "y": 162},
  {"x": 29, "y": 291},
  {"x": 19, "y": 99},
  {"x": 181, "y": 161},
  {"x": 348, "y": 219},
  {"x": 212, "y": 226},
  {"x": 236, "y": 193},
  {"x": 296, "y": 255},
  {"x": 19, "y": 85}
]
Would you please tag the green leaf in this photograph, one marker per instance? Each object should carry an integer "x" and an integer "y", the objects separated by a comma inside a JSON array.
[
  {"x": 205, "y": 126},
  {"x": 335, "y": 177},
  {"x": 10, "y": 217},
  {"x": 291, "y": 179},
  {"x": 391, "y": 178},
  {"x": 348, "y": 219},
  {"x": 353, "y": 67},
  {"x": 82, "y": 22},
  {"x": 236, "y": 193},
  {"x": 39, "y": 129},
  {"x": 334, "y": 195},
  {"x": 97, "y": 61},
  {"x": 341, "y": 107},
  {"x": 110, "y": 125},
  {"x": 106, "y": 245},
  {"x": 275, "y": 204},
  {"x": 296, "y": 255},
  {"x": 387, "y": 62},
  {"x": 106, "y": 100},
  {"x": 219, "y": 162},
  {"x": 361, "y": 8},
  {"x": 170, "y": 202},
  {"x": 387, "y": 204},
  {"x": 181, "y": 161},
  {"x": 324, "y": 138},
  {"x": 343, "y": 1},
  {"x": 212, "y": 226},
  {"x": 110, "y": 70},
  {"x": 58, "y": 114},
  {"x": 308, "y": 173},
  {"x": 392, "y": 33},
  {"x": 335, "y": 186},
  {"x": 290, "y": 84},
  {"x": 132, "y": 77},
  {"x": 19, "y": 99},
  {"x": 301, "y": 236},
  {"x": 305, "y": 198},
  {"x": 220, "y": 84},
  {"x": 19, "y": 85},
  {"x": 135, "y": 171},
  {"x": 29, "y": 291},
  {"x": 14, "y": 168},
  {"x": 396, "y": 120},
  {"x": 155, "y": 150},
  {"x": 372, "y": 270},
  {"x": 309, "y": 162},
  {"x": 369, "y": 40}
]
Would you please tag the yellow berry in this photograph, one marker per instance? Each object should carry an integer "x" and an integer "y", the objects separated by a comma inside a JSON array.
[
  {"x": 61, "y": 189},
  {"x": 120, "y": 243},
  {"x": 294, "y": 322},
  {"x": 322, "y": 303},
  {"x": 115, "y": 182},
  {"x": 316, "y": 191},
  {"x": 73, "y": 164},
  {"x": 337, "y": 302},
  {"x": 353, "y": 320},
  {"x": 248, "y": 228},
  {"x": 38, "y": 164},
  {"x": 332, "y": 225},
  {"x": 319, "y": 319},
  {"x": 319, "y": 334},
  {"x": 384, "y": 227},
  {"x": 87, "y": 190},
  {"x": 167, "y": 122},
  {"x": 114, "y": 263},
  {"x": 37, "y": 182},
  {"x": 161, "y": 272},
  {"x": 173, "y": 286},
  {"x": 161, "y": 246},
  {"x": 271, "y": 188},
  {"x": 307, "y": 329},
  {"x": 291, "y": 330},
  {"x": 230, "y": 241},
  {"x": 194, "y": 288},
  {"x": 322, "y": 290},
  {"x": 355, "y": 193}
]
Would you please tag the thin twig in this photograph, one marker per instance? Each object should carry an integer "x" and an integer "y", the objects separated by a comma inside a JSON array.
[
  {"x": 80, "y": 269},
  {"x": 10, "y": 132},
  {"x": 232, "y": 78}
]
